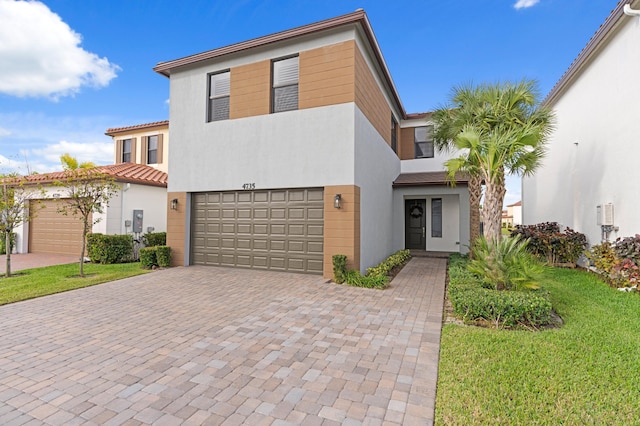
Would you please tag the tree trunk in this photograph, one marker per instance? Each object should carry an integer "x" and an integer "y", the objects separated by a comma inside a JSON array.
[
  {"x": 475, "y": 194},
  {"x": 85, "y": 227},
  {"x": 492, "y": 209},
  {"x": 7, "y": 245}
]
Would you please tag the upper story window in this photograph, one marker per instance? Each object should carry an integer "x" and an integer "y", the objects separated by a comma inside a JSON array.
[
  {"x": 219, "y": 93},
  {"x": 152, "y": 150},
  {"x": 127, "y": 149},
  {"x": 285, "y": 84},
  {"x": 423, "y": 142},
  {"x": 394, "y": 134}
]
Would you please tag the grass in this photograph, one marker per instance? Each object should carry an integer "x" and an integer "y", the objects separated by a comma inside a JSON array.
[
  {"x": 586, "y": 372},
  {"x": 55, "y": 279}
]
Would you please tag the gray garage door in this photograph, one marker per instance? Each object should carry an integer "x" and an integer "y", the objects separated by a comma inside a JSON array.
[{"x": 279, "y": 229}]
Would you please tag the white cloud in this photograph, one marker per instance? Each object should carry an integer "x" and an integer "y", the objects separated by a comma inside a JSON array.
[
  {"x": 40, "y": 55},
  {"x": 49, "y": 156},
  {"x": 4, "y": 132},
  {"x": 523, "y": 4}
]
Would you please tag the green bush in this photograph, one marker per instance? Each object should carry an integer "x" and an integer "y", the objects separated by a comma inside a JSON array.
[
  {"x": 163, "y": 256},
  {"x": 471, "y": 301},
  {"x": 152, "y": 239},
  {"x": 548, "y": 243},
  {"x": 109, "y": 249},
  {"x": 148, "y": 257},
  {"x": 339, "y": 268},
  {"x": 376, "y": 277},
  {"x": 12, "y": 241},
  {"x": 505, "y": 264}
]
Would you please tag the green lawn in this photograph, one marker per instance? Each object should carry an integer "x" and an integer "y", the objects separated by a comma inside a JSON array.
[
  {"x": 54, "y": 279},
  {"x": 587, "y": 372}
]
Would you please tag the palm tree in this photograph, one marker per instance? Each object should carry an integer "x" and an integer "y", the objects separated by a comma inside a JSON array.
[{"x": 499, "y": 130}]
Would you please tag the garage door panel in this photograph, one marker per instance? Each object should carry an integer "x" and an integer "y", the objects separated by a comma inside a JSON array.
[
  {"x": 53, "y": 232},
  {"x": 277, "y": 229}
]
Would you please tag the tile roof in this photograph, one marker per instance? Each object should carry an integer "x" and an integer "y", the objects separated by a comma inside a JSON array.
[
  {"x": 123, "y": 172},
  {"x": 426, "y": 179},
  {"x": 595, "y": 44},
  {"x": 519, "y": 203},
  {"x": 112, "y": 131}
]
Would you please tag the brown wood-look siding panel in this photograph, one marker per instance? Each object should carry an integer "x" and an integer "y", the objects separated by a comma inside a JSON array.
[
  {"x": 250, "y": 90},
  {"x": 406, "y": 148},
  {"x": 327, "y": 75},
  {"x": 144, "y": 149},
  {"x": 369, "y": 98},
  {"x": 176, "y": 227},
  {"x": 341, "y": 227},
  {"x": 133, "y": 150}
]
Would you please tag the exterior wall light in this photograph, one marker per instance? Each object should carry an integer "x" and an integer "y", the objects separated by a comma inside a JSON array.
[
  {"x": 174, "y": 204},
  {"x": 337, "y": 201}
]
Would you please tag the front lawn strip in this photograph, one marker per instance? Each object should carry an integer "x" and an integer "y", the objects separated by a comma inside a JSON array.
[
  {"x": 586, "y": 372},
  {"x": 55, "y": 279}
]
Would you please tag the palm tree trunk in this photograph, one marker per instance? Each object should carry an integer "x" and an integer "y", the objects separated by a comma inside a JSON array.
[
  {"x": 492, "y": 209},
  {"x": 475, "y": 194}
]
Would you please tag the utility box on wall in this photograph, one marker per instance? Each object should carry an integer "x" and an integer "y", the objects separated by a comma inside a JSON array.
[
  {"x": 605, "y": 214},
  {"x": 137, "y": 221}
]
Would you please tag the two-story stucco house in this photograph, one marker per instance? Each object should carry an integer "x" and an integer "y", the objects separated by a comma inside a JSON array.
[
  {"x": 295, "y": 146},
  {"x": 142, "y": 144},
  {"x": 589, "y": 180}
]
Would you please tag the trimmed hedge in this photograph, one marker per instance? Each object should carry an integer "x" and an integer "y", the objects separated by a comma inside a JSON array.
[
  {"x": 471, "y": 301},
  {"x": 109, "y": 249},
  {"x": 376, "y": 277},
  {"x": 12, "y": 241},
  {"x": 152, "y": 239},
  {"x": 148, "y": 257},
  {"x": 155, "y": 256}
]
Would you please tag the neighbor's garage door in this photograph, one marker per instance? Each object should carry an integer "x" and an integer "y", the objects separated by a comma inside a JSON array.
[
  {"x": 53, "y": 232},
  {"x": 272, "y": 229}
]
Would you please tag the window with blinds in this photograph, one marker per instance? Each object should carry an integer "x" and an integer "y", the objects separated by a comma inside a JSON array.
[
  {"x": 285, "y": 84},
  {"x": 127, "y": 149},
  {"x": 152, "y": 150},
  {"x": 219, "y": 93},
  {"x": 423, "y": 142}
]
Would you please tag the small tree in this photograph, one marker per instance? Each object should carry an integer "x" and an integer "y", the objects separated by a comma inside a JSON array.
[
  {"x": 15, "y": 195},
  {"x": 87, "y": 190}
]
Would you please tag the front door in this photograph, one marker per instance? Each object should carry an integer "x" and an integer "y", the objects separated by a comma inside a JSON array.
[{"x": 415, "y": 224}]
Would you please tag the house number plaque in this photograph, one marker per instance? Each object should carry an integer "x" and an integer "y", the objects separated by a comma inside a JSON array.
[{"x": 251, "y": 185}]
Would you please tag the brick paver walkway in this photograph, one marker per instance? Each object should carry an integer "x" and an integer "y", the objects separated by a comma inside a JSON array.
[{"x": 205, "y": 345}]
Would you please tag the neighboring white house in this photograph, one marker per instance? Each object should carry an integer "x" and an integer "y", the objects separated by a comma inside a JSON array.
[
  {"x": 142, "y": 190},
  {"x": 515, "y": 212},
  {"x": 589, "y": 180}
]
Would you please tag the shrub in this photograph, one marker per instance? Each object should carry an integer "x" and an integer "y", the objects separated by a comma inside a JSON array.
[
  {"x": 618, "y": 263},
  {"x": 152, "y": 239},
  {"x": 109, "y": 249},
  {"x": 471, "y": 301},
  {"x": 505, "y": 264},
  {"x": 148, "y": 257},
  {"x": 339, "y": 268},
  {"x": 376, "y": 277},
  {"x": 547, "y": 242},
  {"x": 12, "y": 241},
  {"x": 163, "y": 256}
]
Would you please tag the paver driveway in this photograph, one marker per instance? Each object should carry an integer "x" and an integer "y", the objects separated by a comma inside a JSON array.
[{"x": 206, "y": 345}]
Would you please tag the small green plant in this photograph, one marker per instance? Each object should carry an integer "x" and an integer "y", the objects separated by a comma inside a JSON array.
[
  {"x": 471, "y": 300},
  {"x": 354, "y": 278},
  {"x": 152, "y": 239},
  {"x": 396, "y": 259},
  {"x": 376, "y": 276},
  {"x": 3, "y": 244},
  {"x": 339, "y": 268},
  {"x": 163, "y": 256},
  {"x": 505, "y": 264},
  {"x": 148, "y": 257}
]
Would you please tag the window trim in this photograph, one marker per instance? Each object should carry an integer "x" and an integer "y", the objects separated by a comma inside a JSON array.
[
  {"x": 273, "y": 87},
  {"x": 210, "y": 118},
  {"x": 436, "y": 217}
]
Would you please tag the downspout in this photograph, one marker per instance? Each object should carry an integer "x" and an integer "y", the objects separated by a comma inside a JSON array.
[
  {"x": 123, "y": 228},
  {"x": 630, "y": 12}
]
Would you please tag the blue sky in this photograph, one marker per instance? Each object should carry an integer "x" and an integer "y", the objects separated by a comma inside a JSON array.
[{"x": 71, "y": 69}]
